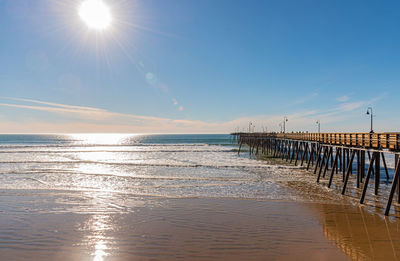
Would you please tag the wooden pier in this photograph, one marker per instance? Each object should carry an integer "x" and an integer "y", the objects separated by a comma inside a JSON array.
[{"x": 333, "y": 153}]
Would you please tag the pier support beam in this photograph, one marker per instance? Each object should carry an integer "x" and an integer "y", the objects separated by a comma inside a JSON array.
[
  {"x": 349, "y": 167},
  {"x": 370, "y": 168},
  {"x": 392, "y": 190},
  {"x": 377, "y": 171}
]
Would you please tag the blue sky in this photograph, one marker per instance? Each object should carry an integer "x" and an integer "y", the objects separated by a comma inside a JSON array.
[{"x": 183, "y": 66}]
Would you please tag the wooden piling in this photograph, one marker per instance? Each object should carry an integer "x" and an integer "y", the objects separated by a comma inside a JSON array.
[
  {"x": 370, "y": 168},
  {"x": 335, "y": 163},
  {"x": 393, "y": 188},
  {"x": 349, "y": 167},
  {"x": 377, "y": 171}
]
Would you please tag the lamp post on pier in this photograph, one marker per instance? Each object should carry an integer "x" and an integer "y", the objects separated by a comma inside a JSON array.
[
  {"x": 319, "y": 126},
  {"x": 369, "y": 112},
  {"x": 285, "y": 119}
]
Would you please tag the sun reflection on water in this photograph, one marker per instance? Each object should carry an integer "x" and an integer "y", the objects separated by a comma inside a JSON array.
[
  {"x": 99, "y": 226},
  {"x": 103, "y": 138},
  {"x": 100, "y": 253}
]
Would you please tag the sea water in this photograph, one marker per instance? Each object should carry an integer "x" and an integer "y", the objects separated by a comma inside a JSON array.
[
  {"x": 152, "y": 165},
  {"x": 172, "y": 166}
]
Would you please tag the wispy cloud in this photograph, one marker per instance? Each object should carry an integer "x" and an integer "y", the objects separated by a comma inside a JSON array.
[
  {"x": 343, "y": 98},
  {"x": 77, "y": 111},
  {"x": 350, "y": 106},
  {"x": 54, "y": 104},
  {"x": 91, "y": 119},
  {"x": 43, "y": 108},
  {"x": 304, "y": 99},
  {"x": 104, "y": 118},
  {"x": 339, "y": 112}
]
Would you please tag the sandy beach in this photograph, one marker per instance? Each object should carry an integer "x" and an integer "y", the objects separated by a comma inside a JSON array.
[
  {"x": 165, "y": 229},
  {"x": 150, "y": 228}
]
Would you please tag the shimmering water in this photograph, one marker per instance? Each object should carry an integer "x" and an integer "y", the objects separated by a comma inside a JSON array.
[{"x": 152, "y": 165}]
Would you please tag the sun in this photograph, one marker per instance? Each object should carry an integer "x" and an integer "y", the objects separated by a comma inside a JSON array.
[{"x": 95, "y": 14}]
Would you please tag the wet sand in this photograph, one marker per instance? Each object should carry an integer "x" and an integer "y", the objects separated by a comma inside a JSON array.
[
  {"x": 49, "y": 225},
  {"x": 358, "y": 233}
]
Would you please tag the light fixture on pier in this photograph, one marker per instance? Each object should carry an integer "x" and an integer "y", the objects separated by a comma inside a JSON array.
[
  {"x": 319, "y": 126},
  {"x": 369, "y": 112},
  {"x": 285, "y": 119}
]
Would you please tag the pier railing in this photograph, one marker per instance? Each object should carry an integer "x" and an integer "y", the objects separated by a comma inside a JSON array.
[{"x": 388, "y": 140}]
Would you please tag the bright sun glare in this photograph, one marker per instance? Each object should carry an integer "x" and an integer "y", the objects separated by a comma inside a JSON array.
[{"x": 96, "y": 14}]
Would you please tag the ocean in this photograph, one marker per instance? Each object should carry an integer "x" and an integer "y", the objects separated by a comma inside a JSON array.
[{"x": 145, "y": 165}]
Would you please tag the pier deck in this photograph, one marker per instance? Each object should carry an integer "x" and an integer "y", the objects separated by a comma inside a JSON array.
[{"x": 390, "y": 141}]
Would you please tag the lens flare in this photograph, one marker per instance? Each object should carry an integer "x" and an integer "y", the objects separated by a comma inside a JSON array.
[{"x": 95, "y": 14}]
